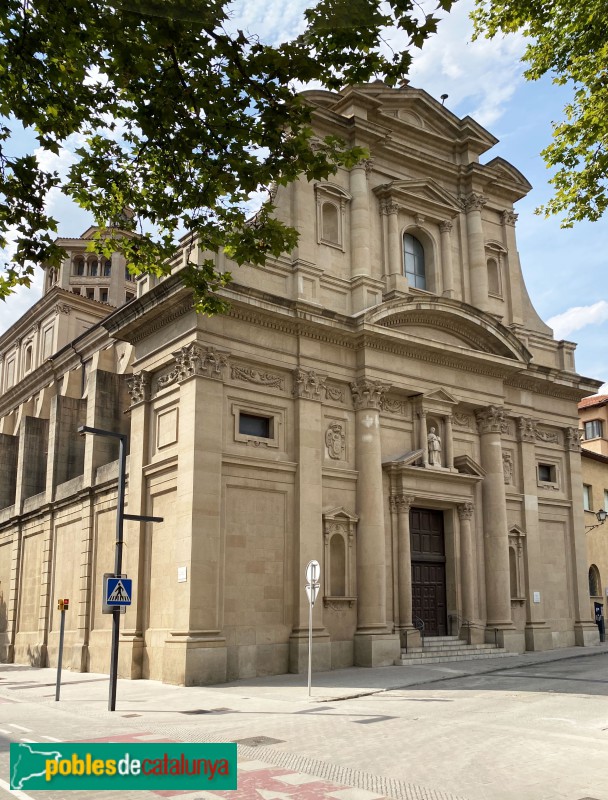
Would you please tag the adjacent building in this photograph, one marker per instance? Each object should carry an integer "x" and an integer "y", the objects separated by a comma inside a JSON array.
[
  {"x": 593, "y": 413},
  {"x": 384, "y": 399}
]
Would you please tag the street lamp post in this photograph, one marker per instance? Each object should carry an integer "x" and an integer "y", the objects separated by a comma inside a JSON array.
[
  {"x": 120, "y": 518},
  {"x": 601, "y": 516}
]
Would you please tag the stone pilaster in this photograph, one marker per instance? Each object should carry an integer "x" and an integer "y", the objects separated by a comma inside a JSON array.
[
  {"x": 196, "y": 651},
  {"x": 445, "y": 230},
  {"x": 508, "y": 219},
  {"x": 308, "y": 544},
  {"x": 478, "y": 271},
  {"x": 492, "y": 422},
  {"x": 538, "y": 633},
  {"x": 423, "y": 441},
  {"x": 359, "y": 220},
  {"x": 374, "y": 646},
  {"x": 449, "y": 442},
  {"x": 467, "y": 554},
  {"x": 403, "y": 503}
]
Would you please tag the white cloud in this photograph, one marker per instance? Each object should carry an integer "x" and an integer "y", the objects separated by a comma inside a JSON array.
[{"x": 578, "y": 317}]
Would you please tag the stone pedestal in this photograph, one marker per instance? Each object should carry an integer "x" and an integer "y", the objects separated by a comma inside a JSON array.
[
  {"x": 321, "y": 651},
  {"x": 378, "y": 650}
]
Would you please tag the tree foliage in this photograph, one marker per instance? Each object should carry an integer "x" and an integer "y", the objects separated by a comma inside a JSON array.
[
  {"x": 568, "y": 40},
  {"x": 180, "y": 118}
]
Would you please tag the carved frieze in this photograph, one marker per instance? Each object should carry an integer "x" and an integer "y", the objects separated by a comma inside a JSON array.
[
  {"x": 335, "y": 440},
  {"x": 465, "y": 510},
  {"x": 194, "y": 360},
  {"x": 473, "y": 202},
  {"x": 368, "y": 394},
  {"x": 461, "y": 420},
  {"x": 573, "y": 439},
  {"x": 394, "y": 405},
  {"x": 492, "y": 420},
  {"x": 526, "y": 429},
  {"x": 549, "y": 437},
  {"x": 257, "y": 376},
  {"x": 334, "y": 393},
  {"x": 138, "y": 386}
]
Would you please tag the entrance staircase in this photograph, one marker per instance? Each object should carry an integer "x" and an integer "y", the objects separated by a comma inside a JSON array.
[{"x": 438, "y": 649}]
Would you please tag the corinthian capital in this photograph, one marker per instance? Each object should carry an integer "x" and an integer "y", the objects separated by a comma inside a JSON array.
[
  {"x": 526, "y": 429},
  {"x": 573, "y": 439},
  {"x": 508, "y": 217},
  {"x": 308, "y": 384},
  {"x": 492, "y": 420},
  {"x": 465, "y": 510},
  {"x": 403, "y": 502},
  {"x": 445, "y": 226},
  {"x": 139, "y": 387},
  {"x": 368, "y": 394},
  {"x": 473, "y": 201}
]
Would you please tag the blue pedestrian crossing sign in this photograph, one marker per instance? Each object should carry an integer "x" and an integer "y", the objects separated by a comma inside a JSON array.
[{"x": 118, "y": 591}]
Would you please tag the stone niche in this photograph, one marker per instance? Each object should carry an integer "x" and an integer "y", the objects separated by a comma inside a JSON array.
[{"x": 433, "y": 430}]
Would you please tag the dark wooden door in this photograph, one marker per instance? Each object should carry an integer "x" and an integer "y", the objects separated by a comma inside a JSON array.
[{"x": 428, "y": 570}]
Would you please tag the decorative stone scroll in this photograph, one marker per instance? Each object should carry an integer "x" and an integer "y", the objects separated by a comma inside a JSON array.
[
  {"x": 335, "y": 440},
  {"x": 526, "y": 429},
  {"x": 138, "y": 386},
  {"x": 257, "y": 376},
  {"x": 461, "y": 420},
  {"x": 473, "y": 202},
  {"x": 492, "y": 420},
  {"x": 194, "y": 360},
  {"x": 573, "y": 439},
  {"x": 394, "y": 405},
  {"x": 549, "y": 437},
  {"x": 368, "y": 394}
]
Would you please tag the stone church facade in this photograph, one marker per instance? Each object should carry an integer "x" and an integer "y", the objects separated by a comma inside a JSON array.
[{"x": 384, "y": 399}]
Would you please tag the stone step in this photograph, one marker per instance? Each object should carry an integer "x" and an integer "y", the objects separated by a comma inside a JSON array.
[
  {"x": 423, "y": 658},
  {"x": 462, "y": 651},
  {"x": 448, "y": 648}
]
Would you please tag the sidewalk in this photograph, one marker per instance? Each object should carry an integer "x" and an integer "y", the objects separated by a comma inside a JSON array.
[{"x": 510, "y": 728}]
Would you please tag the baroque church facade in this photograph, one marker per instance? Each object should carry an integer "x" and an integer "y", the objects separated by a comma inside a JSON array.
[{"x": 384, "y": 399}]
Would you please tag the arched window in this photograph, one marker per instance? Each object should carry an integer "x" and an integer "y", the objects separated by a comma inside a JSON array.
[
  {"x": 331, "y": 230},
  {"x": 595, "y": 585},
  {"x": 107, "y": 268},
  {"x": 413, "y": 257},
  {"x": 93, "y": 267},
  {"x": 79, "y": 266},
  {"x": 494, "y": 286}
]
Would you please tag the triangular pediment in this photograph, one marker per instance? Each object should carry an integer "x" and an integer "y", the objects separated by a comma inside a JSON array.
[
  {"x": 468, "y": 466},
  {"x": 441, "y": 396},
  {"x": 516, "y": 531},
  {"x": 419, "y": 194},
  {"x": 339, "y": 513}
]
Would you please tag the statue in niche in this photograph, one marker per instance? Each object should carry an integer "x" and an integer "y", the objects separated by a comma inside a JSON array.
[
  {"x": 335, "y": 440},
  {"x": 434, "y": 445}
]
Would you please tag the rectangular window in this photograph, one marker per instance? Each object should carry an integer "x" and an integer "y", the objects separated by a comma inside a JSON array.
[
  {"x": 605, "y": 500},
  {"x": 103, "y": 295},
  {"x": 546, "y": 473},
  {"x": 91, "y": 294},
  {"x": 587, "y": 499},
  {"x": 593, "y": 429},
  {"x": 254, "y": 425}
]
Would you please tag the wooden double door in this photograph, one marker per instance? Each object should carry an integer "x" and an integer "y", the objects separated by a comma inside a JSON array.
[{"x": 428, "y": 570}]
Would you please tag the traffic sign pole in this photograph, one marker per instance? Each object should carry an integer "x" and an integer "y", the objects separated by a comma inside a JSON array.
[
  {"x": 62, "y": 605},
  {"x": 313, "y": 574}
]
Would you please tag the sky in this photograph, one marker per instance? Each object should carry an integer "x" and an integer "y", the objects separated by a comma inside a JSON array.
[{"x": 563, "y": 268}]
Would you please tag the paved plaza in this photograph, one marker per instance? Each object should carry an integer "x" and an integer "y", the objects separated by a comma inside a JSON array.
[{"x": 529, "y": 727}]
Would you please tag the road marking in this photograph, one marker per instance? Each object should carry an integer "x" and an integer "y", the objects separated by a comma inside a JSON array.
[
  {"x": 29, "y": 741},
  {"x": 21, "y": 728},
  {"x": 15, "y": 792},
  {"x": 6, "y": 733},
  {"x": 51, "y": 739}
]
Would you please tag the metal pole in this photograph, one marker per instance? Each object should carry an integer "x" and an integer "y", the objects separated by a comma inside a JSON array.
[
  {"x": 120, "y": 510},
  {"x": 309, "y": 647},
  {"x": 60, "y": 655}
]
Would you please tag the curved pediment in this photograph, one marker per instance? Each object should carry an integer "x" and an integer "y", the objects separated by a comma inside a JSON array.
[{"x": 442, "y": 321}]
